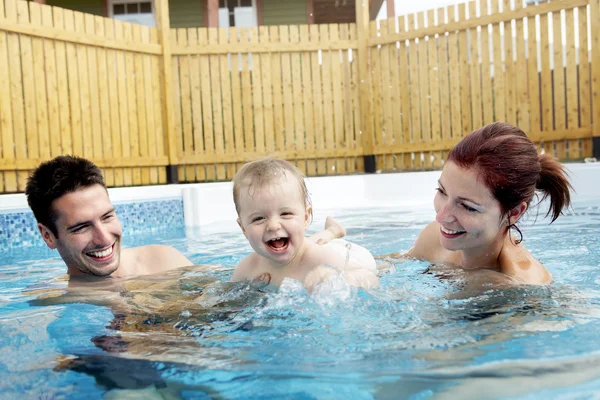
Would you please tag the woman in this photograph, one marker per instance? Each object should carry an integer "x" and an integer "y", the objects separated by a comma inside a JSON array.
[{"x": 486, "y": 185}]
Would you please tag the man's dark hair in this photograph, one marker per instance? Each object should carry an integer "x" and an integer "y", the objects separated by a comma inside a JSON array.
[{"x": 55, "y": 178}]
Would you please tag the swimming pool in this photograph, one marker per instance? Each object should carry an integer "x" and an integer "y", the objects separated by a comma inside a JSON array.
[{"x": 194, "y": 335}]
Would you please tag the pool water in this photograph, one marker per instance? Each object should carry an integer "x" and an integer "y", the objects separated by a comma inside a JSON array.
[{"x": 192, "y": 334}]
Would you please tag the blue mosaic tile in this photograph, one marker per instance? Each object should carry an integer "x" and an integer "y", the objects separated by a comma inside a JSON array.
[{"x": 19, "y": 229}]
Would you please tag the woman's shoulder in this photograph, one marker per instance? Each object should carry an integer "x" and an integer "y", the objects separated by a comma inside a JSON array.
[
  {"x": 427, "y": 246},
  {"x": 516, "y": 261}
]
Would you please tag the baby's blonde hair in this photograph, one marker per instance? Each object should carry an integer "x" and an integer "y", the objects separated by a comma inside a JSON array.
[{"x": 258, "y": 174}]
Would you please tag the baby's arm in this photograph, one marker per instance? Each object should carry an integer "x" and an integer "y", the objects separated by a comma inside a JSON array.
[{"x": 243, "y": 270}]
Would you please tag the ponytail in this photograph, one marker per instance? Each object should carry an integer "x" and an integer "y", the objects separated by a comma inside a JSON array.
[{"x": 553, "y": 183}]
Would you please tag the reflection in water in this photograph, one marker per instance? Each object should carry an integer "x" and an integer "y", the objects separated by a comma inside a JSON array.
[{"x": 429, "y": 330}]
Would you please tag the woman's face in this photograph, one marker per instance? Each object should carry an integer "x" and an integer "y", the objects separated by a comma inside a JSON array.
[{"x": 470, "y": 217}]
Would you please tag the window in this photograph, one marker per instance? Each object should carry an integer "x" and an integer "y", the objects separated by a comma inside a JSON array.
[
  {"x": 237, "y": 13},
  {"x": 139, "y": 12}
]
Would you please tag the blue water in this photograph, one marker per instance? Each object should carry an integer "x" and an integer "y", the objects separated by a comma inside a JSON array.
[{"x": 193, "y": 335}]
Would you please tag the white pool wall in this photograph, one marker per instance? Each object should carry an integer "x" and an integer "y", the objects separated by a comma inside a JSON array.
[{"x": 209, "y": 203}]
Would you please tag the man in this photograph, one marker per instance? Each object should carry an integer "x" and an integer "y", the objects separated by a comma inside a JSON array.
[{"x": 70, "y": 202}]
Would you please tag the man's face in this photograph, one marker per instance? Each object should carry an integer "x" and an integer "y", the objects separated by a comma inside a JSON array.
[{"x": 88, "y": 232}]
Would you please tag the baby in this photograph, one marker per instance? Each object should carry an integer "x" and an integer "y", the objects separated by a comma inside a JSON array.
[{"x": 274, "y": 212}]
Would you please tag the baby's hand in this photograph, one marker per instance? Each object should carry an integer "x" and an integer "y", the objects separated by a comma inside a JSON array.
[
  {"x": 316, "y": 276},
  {"x": 261, "y": 282}
]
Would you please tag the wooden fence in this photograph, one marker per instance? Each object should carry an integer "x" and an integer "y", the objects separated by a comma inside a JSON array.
[
  {"x": 442, "y": 73},
  {"x": 137, "y": 100}
]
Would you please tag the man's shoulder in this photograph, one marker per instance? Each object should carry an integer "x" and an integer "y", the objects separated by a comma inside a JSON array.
[
  {"x": 156, "y": 257},
  {"x": 149, "y": 250}
]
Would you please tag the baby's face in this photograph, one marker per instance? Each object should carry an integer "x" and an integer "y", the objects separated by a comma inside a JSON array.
[{"x": 274, "y": 219}]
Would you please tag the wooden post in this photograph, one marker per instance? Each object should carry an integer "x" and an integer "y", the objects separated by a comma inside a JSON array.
[
  {"x": 163, "y": 27},
  {"x": 213, "y": 13},
  {"x": 310, "y": 11},
  {"x": 364, "y": 79},
  {"x": 259, "y": 12},
  {"x": 595, "y": 25},
  {"x": 391, "y": 9}
]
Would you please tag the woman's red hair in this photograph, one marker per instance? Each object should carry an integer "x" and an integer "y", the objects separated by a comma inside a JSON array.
[{"x": 508, "y": 163}]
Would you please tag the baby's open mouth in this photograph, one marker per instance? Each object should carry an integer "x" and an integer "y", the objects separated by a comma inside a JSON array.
[{"x": 278, "y": 244}]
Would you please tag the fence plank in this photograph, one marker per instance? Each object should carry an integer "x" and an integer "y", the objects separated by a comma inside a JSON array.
[
  {"x": 415, "y": 103},
  {"x": 508, "y": 54},
  {"x": 509, "y": 65},
  {"x": 62, "y": 83},
  {"x": 226, "y": 72},
  {"x": 297, "y": 90},
  {"x": 4, "y": 61},
  {"x": 176, "y": 61},
  {"x": 29, "y": 98},
  {"x": 560, "y": 122},
  {"x": 444, "y": 69},
  {"x": 140, "y": 94},
  {"x": 395, "y": 134},
  {"x": 435, "y": 159},
  {"x": 346, "y": 99},
  {"x": 317, "y": 86},
  {"x": 455, "y": 81},
  {"x": 134, "y": 128},
  {"x": 571, "y": 84},
  {"x": 236, "y": 94},
  {"x": 405, "y": 161},
  {"x": 306, "y": 59},
  {"x": 114, "y": 101},
  {"x": 247, "y": 96},
  {"x": 104, "y": 104},
  {"x": 159, "y": 133},
  {"x": 474, "y": 37},
  {"x": 39, "y": 73},
  {"x": 328, "y": 59},
  {"x": 122, "y": 79},
  {"x": 178, "y": 124},
  {"x": 546, "y": 74},
  {"x": 213, "y": 38},
  {"x": 523, "y": 113},
  {"x": 584, "y": 79},
  {"x": 338, "y": 109},
  {"x": 499, "y": 83},
  {"x": 8, "y": 179},
  {"x": 86, "y": 145},
  {"x": 210, "y": 139},
  {"x": 486, "y": 69},
  {"x": 533, "y": 74},
  {"x": 149, "y": 78},
  {"x": 96, "y": 127},
  {"x": 465, "y": 73},
  {"x": 385, "y": 133},
  {"x": 193, "y": 112},
  {"x": 329, "y": 131},
  {"x": 206, "y": 67},
  {"x": 353, "y": 101},
  {"x": 377, "y": 90},
  {"x": 425, "y": 129},
  {"x": 257, "y": 97},
  {"x": 186, "y": 82}
]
